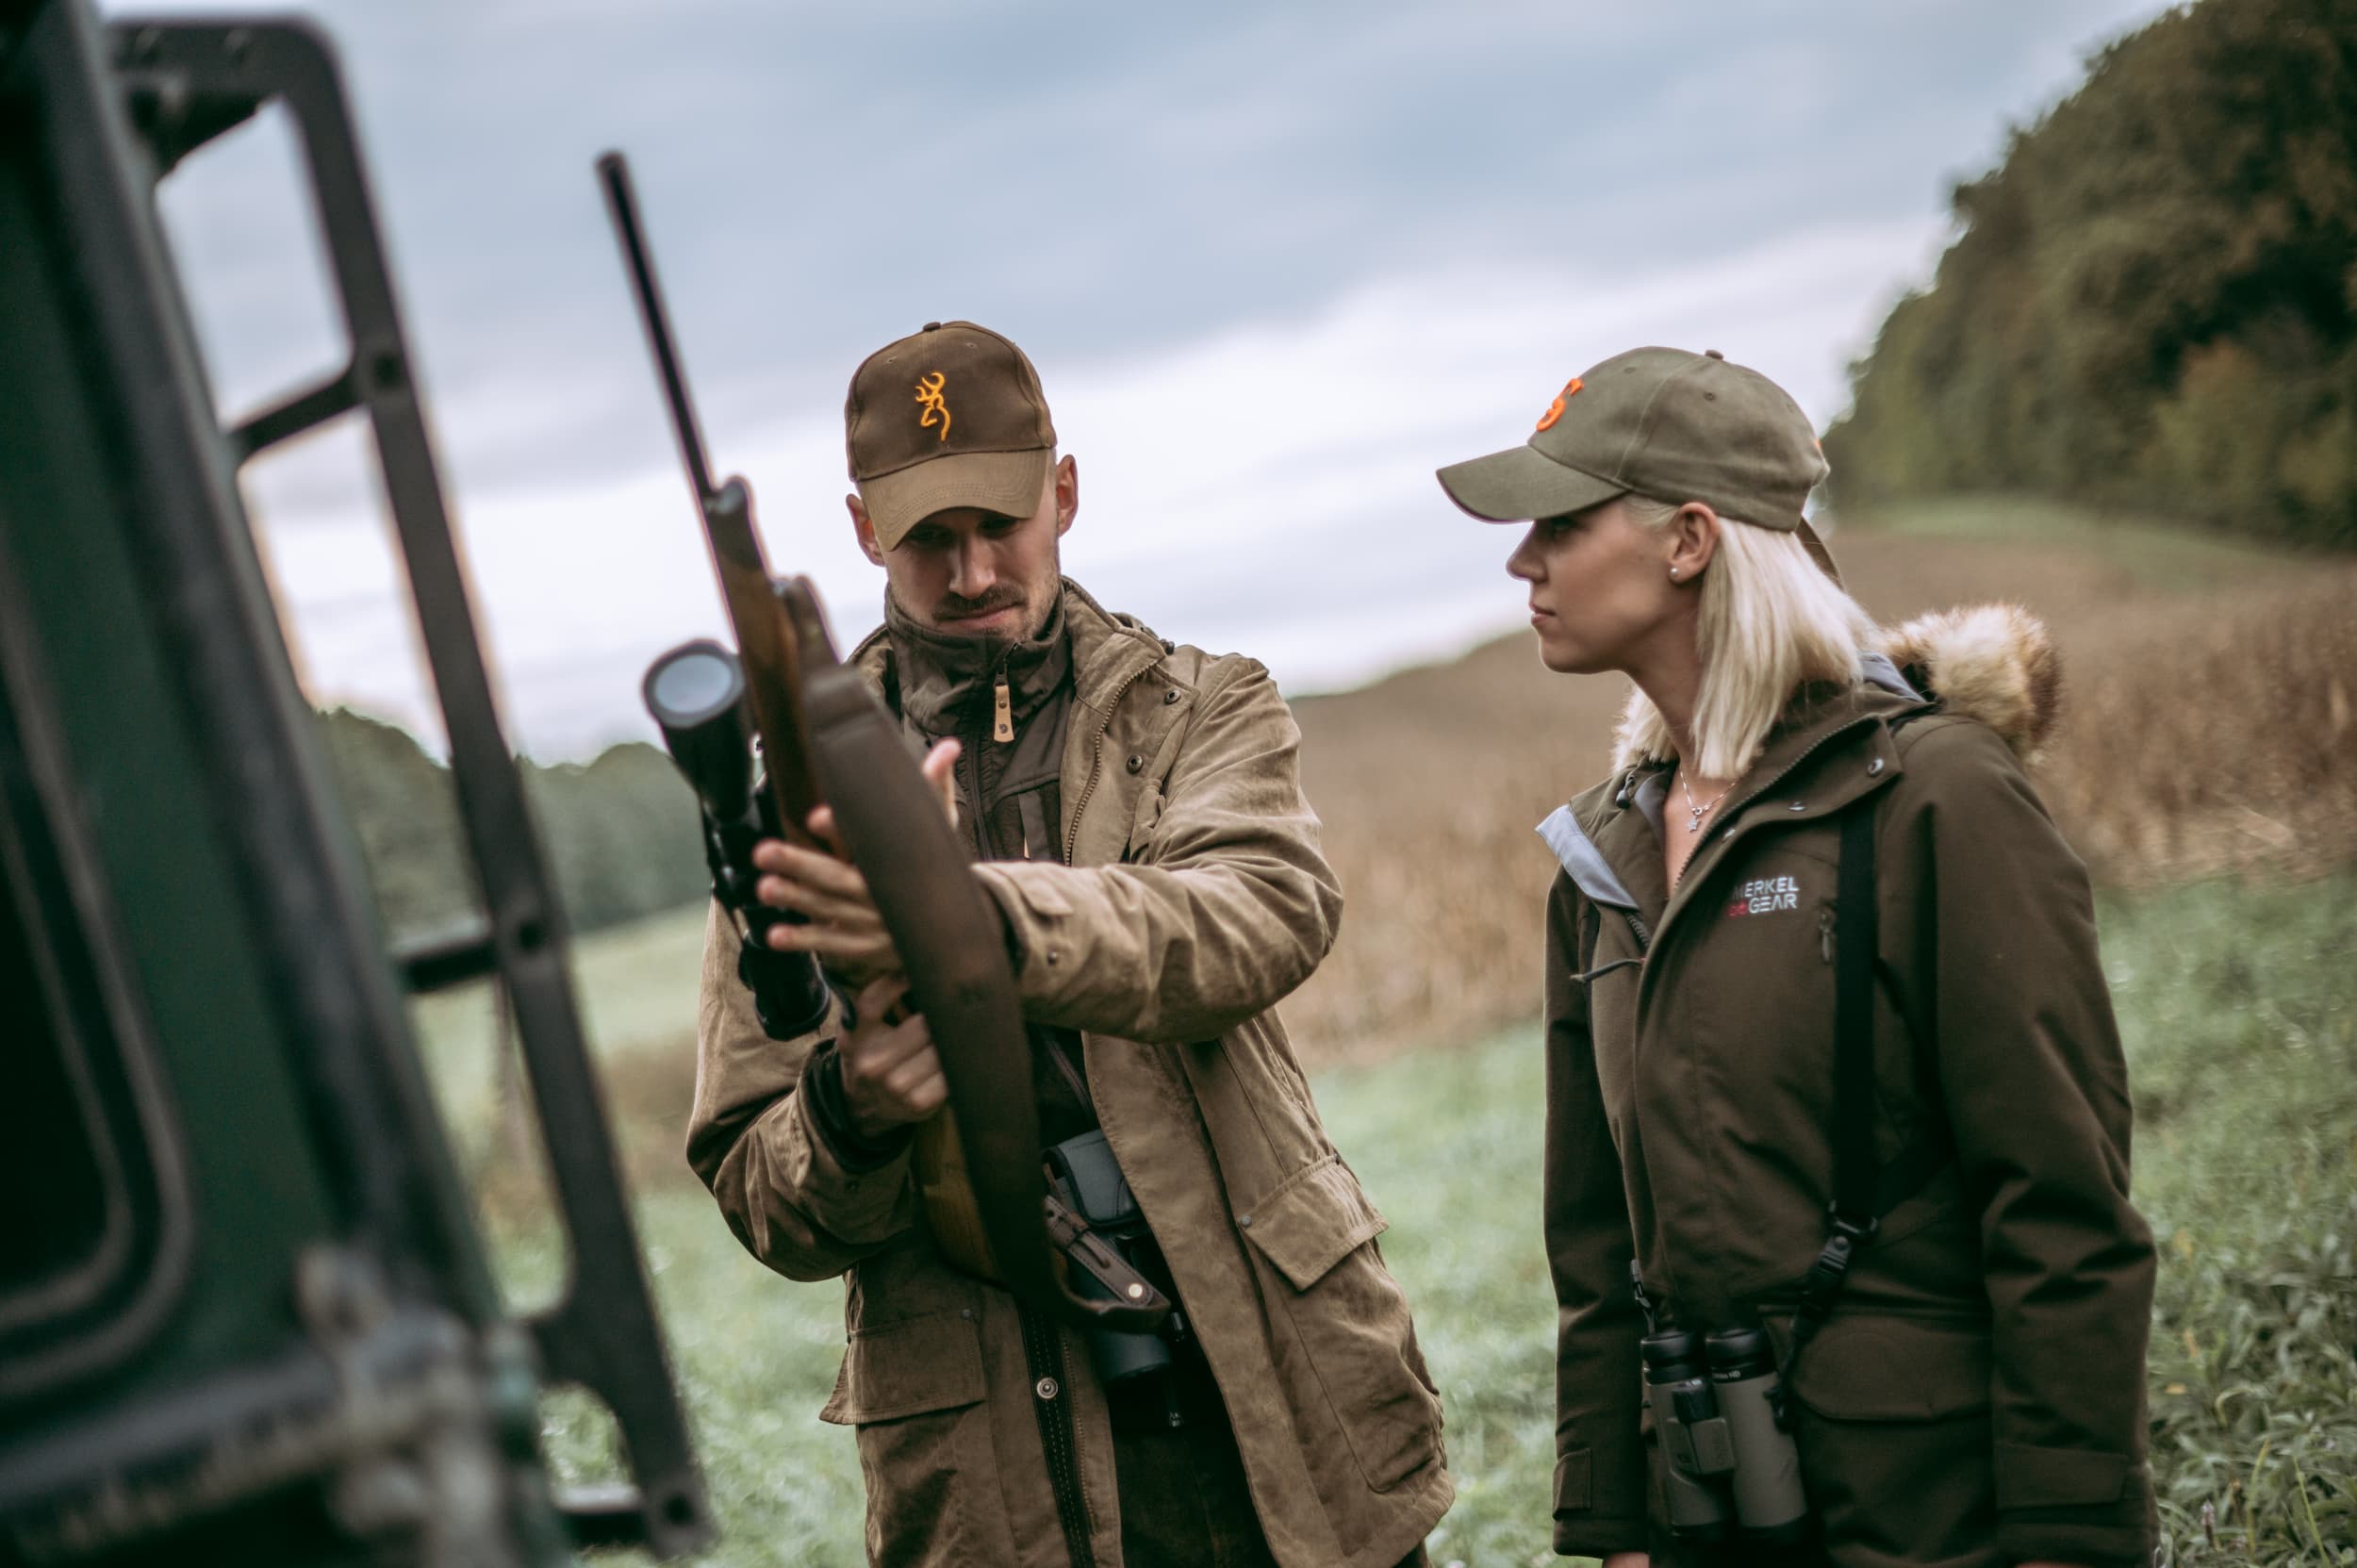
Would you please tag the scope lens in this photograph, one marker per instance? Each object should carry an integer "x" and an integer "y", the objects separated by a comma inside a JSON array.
[{"x": 691, "y": 683}]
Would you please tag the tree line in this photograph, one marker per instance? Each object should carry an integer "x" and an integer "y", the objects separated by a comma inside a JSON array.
[
  {"x": 2151, "y": 303},
  {"x": 621, "y": 832}
]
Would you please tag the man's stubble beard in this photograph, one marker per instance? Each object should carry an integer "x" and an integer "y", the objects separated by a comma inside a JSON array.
[{"x": 1035, "y": 618}]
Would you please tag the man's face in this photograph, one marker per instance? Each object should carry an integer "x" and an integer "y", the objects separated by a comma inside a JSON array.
[{"x": 967, "y": 572}]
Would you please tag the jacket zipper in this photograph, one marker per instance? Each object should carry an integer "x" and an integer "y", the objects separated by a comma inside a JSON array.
[
  {"x": 1096, "y": 765},
  {"x": 1043, "y": 1354},
  {"x": 1649, "y": 949},
  {"x": 1043, "y": 1345},
  {"x": 1725, "y": 835}
]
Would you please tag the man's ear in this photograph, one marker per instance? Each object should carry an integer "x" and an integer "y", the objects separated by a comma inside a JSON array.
[
  {"x": 864, "y": 527},
  {"x": 1067, "y": 493},
  {"x": 1693, "y": 534}
]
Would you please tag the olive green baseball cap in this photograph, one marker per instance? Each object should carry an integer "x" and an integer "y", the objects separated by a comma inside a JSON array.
[
  {"x": 949, "y": 415},
  {"x": 1664, "y": 423}
]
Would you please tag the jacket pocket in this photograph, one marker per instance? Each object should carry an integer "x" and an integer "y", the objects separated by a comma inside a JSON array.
[
  {"x": 915, "y": 1390},
  {"x": 908, "y": 1367},
  {"x": 1895, "y": 1439},
  {"x": 1317, "y": 1231},
  {"x": 1890, "y": 1368},
  {"x": 1313, "y": 1220}
]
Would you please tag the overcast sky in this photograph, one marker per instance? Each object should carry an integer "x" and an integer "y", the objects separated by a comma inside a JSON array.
[{"x": 1274, "y": 265}]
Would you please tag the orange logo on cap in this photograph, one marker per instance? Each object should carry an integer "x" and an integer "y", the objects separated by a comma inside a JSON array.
[
  {"x": 1555, "y": 409},
  {"x": 928, "y": 398}
]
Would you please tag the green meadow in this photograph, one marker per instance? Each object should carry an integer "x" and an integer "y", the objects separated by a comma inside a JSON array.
[{"x": 2238, "y": 1004}]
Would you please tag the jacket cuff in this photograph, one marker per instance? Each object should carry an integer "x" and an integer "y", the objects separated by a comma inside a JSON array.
[
  {"x": 2096, "y": 1545},
  {"x": 2073, "y": 1505},
  {"x": 1041, "y": 931},
  {"x": 1592, "y": 1535},
  {"x": 830, "y": 1118},
  {"x": 857, "y": 1204},
  {"x": 1580, "y": 1530}
]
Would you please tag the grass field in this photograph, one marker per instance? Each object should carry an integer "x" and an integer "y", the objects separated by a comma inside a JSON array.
[
  {"x": 2208, "y": 731},
  {"x": 2239, "y": 1007}
]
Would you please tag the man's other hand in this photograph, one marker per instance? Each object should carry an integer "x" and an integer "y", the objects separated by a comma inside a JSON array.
[
  {"x": 891, "y": 1073},
  {"x": 843, "y": 928}
]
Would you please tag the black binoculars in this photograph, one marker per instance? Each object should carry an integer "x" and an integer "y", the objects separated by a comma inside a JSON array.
[
  {"x": 1714, "y": 1408},
  {"x": 1087, "y": 1178}
]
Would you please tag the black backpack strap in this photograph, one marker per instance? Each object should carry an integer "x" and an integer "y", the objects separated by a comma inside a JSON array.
[
  {"x": 1856, "y": 1179},
  {"x": 1857, "y": 950}
]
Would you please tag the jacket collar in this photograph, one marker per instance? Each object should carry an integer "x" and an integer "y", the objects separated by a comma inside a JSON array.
[
  {"x": 1107, "y": 652},
  {"x": 1832, "y": 746},
  {"x": 947, "y": 684}
]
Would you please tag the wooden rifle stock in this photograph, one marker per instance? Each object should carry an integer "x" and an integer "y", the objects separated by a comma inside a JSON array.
[{"x": 826, "y": 739}]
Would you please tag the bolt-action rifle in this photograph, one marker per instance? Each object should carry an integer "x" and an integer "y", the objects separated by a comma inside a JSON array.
[{"x": 825, "y": 738}]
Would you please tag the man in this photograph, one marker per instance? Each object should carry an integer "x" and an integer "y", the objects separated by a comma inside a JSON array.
[{"x": 1134, "y": 810}]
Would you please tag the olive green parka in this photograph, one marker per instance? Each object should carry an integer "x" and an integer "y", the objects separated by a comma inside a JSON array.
[
  {"x": 1978, "y": 1394},
  {"x": 1195, "y": 896}
]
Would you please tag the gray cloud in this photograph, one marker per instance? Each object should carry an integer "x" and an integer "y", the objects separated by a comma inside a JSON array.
[{"x": 1115, "y": 186}]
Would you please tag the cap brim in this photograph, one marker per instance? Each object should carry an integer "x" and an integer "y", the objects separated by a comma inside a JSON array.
[
  {"x": 1818, "y": 552},
  {"x": 1008, "y": 483},
  {"x": 1522, "y": 482}
]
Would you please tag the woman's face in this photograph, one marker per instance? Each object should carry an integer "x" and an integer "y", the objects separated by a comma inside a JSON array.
[{"x": 1600, "y": 588}]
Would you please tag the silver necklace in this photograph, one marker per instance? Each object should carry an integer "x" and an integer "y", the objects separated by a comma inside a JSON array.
[{"x": 1695, "y": 812}]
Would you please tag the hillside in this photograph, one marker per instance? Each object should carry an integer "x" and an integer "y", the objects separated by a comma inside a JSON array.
[
  {"x": 2206, "y": 727},
  {"x": 2152, "y": 302},
  {"x": 621, "y": 831}
]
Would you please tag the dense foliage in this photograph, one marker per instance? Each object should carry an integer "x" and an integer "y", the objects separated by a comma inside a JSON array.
[
  {"x": 620, "y": 832},
  {"x": 2152, "y": 300}
]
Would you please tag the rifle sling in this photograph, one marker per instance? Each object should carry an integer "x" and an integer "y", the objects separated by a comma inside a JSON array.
[{"x": 951, "y": 940}]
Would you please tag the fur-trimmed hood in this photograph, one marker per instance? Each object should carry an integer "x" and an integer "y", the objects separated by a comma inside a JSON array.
[
  {"x": 1994, "y": 663},
  {"x": 1990, "y": 662}
]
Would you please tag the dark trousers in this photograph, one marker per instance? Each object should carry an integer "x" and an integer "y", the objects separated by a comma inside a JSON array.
[{"x": 1185, "y": 1502}]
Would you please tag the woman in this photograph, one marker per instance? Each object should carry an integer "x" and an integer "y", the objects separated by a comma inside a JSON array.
[{"x": 1942, "y": 1209}]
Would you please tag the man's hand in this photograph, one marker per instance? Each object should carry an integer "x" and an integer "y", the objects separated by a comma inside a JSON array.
[
  {"x": 1629, "y": 1559},
  {"x": 891, "y": 1073},
  {"x": 845, "y": 930}
]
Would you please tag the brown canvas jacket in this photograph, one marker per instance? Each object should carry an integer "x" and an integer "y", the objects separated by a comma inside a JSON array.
[
  {"x": 1195, "y": 898},
  {"x": 1989, "y": 1352}
]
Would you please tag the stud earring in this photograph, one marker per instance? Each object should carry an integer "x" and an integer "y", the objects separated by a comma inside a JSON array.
[{"x": 1673, "y": 574}]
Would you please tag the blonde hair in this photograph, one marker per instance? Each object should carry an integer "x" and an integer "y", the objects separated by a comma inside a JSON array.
[{"x": 1772, "y": 621}]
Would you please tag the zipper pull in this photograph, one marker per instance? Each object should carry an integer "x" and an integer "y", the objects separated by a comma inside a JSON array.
[
  {"x": 1003, "y": 713},
  {"x": 1825, "y": 932}
]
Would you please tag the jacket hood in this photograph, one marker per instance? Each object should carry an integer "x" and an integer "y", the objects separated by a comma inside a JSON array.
[
  {"x": 1994, "y": 663},
  {"x": 1990, "y": 662}
]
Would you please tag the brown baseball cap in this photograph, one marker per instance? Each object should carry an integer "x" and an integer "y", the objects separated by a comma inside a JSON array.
[
  {"x": 1665, "y": 424},
  {"x": 950, "y": 416}
]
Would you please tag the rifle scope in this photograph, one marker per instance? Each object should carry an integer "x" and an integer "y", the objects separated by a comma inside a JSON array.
[{"x": 696, "y": 694}]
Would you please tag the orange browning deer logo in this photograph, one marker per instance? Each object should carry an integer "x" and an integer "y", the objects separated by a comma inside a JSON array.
[{"x": 928, "y": 398}]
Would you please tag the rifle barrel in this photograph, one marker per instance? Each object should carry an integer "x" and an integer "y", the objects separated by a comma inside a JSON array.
[{"x": 621, "y": 204}]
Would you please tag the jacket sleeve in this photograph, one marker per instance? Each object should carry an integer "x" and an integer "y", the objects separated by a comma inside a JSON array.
[
  {"x": 1225, "y": 906},
  {"x": 796, "y": 1202},
  {"x": 1599, "y": 1456},
  {"x": 2007, "y": 978}
]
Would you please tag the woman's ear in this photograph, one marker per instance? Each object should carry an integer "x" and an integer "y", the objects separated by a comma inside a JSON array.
[{"x": 1693, "y": 536}]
